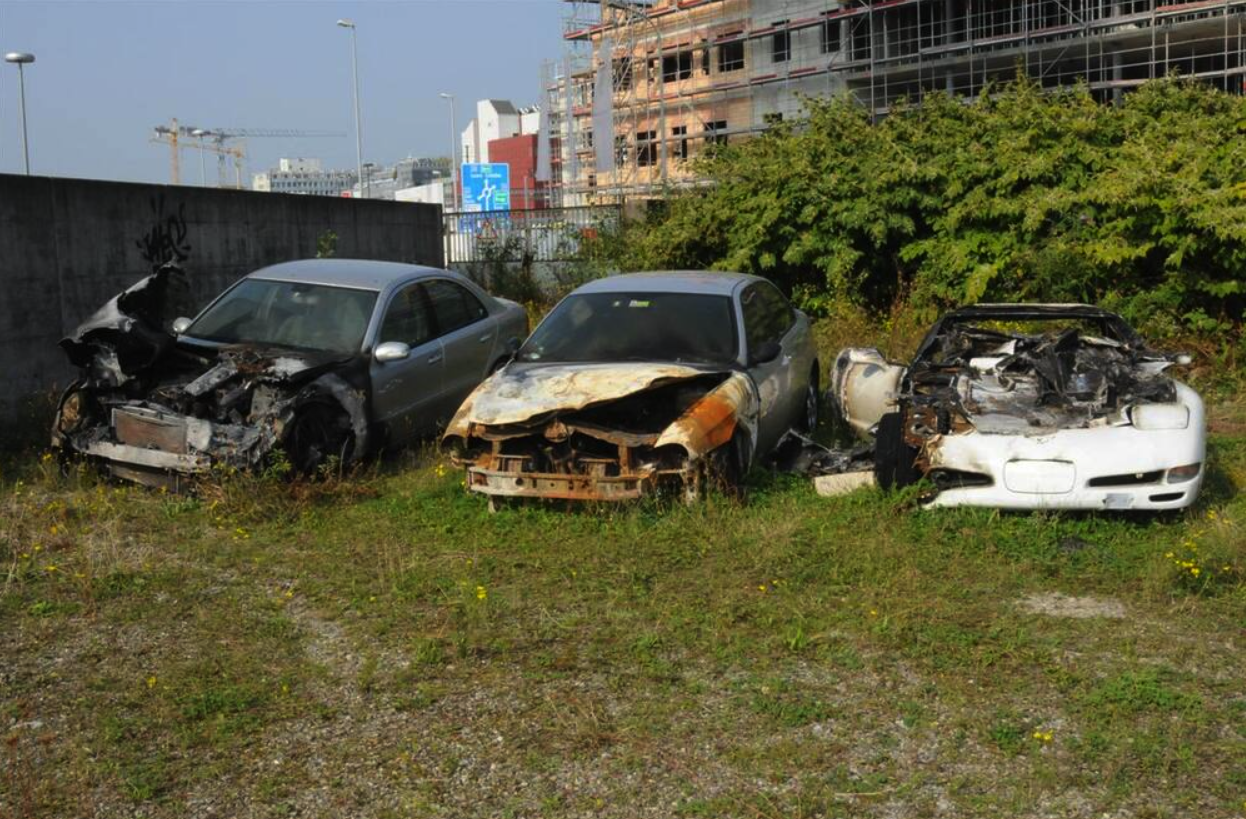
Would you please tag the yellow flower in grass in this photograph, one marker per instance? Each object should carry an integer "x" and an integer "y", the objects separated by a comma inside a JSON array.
[{"x": 482, "y": 593}]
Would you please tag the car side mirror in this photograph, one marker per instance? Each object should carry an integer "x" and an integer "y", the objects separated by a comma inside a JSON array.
[
  {"x": 392, "y": 351},
  {"x": 766, "y": 352},
  {"x": 181, "y": 325}
]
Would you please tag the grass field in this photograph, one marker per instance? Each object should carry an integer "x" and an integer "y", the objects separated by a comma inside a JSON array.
[{"x": 383, "y": 647}]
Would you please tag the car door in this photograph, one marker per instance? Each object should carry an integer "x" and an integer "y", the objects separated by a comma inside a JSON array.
[
  {"x": 407, "y": 395},
  {"x": 467, "y": 336},
  {"x": 768, "y": 317}
]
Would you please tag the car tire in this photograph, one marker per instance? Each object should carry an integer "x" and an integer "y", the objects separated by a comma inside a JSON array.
[
  {"x": 810, "y": 411},
  {"x": 895, "y": 462},
  {"x": 318, "y": 433},
  {"x": 724, "y": 470}
]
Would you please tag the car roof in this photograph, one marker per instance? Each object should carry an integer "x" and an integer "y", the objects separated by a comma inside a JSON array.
[
  {"x": 366, "y": 274},
  {"x": 671, "y": 281}
]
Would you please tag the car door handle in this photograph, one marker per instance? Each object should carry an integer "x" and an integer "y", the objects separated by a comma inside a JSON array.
[
  {"x": 435, "y": 359},
  {"x": 486, "y": 337}
]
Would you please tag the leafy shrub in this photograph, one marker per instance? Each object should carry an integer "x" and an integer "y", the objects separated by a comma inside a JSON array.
[{"x": 1026, "y": 195}]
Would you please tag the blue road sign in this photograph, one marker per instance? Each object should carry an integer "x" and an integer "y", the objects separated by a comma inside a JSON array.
[{"x": 486, "y": 186}]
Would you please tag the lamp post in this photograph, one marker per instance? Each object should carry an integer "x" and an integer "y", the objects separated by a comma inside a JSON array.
[
  {"x": 21, "y": 59},
  {"x": 454, "y": 152},
  {"x": 199, "y": 134},
  {"x": 354, "y": 61}
]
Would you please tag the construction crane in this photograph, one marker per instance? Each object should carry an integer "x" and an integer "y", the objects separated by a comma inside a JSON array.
[{"x": 216, "y": 141}]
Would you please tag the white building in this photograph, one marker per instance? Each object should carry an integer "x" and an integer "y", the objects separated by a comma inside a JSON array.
[
  {"x": 496, "y": 119},
  {"x": 303, "y": 176},
  {"x": 434, "y": 193}
]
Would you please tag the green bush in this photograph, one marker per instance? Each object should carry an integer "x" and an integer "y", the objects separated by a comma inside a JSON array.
[{"x": 1025, "y": 195}]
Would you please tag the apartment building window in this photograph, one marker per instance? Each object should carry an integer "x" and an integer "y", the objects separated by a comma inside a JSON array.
[
  {"x": 830, "y": 36},
  {"x": 680, "y": 133},
  {"x": 731, "y": 56},
  {"x": 622, "y": 73},
  {"x": 677, "y": 67},
  {"x": 705, "y": 58},
  {"x": 716, "y": 132},
  {"x": 620, "y": 150},
  {"x": 646, "y": 148},
  {"x": 781, "y": 43}
]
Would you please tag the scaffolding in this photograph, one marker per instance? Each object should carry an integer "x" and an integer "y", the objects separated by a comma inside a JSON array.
[{"x": 684, "y": 76}]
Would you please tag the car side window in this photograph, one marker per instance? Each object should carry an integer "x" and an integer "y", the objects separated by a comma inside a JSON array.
[
  {"x": 767, "y": 314},
  {"x": 406, "y": 318},
  {"x": 453, "y": 305}
]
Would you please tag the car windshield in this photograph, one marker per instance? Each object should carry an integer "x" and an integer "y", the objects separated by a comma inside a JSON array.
[
  {"x": 678, "y": 327},
  {"x": 288, "y": 314}
]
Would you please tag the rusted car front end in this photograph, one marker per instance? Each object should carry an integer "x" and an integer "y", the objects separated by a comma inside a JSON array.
[{"x": 603, "y": 432}]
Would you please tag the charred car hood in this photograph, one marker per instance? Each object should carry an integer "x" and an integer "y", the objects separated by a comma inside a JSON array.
[
  {"x": 612, "y": 431},
  {"x": 148, "y": 402},
  {"x": 525, "y": 392},
  {"x": 127, "y": 335}
]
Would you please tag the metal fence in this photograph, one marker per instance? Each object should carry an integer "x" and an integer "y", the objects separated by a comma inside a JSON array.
[{"x": 545, "y": 235}]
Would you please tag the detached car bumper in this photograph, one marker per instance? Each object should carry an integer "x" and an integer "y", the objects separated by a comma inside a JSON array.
[{"x": 1119, "y": 467}]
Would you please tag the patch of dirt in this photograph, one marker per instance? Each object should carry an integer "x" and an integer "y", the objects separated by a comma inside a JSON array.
[{"x": 1055, "y": 604}]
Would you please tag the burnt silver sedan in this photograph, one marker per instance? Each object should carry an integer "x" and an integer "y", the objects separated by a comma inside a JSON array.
[
  {"x": 324, "y": 358},
  {"x": 638, "y": 382}
]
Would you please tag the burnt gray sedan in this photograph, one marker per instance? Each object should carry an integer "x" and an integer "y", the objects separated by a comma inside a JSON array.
[
  {"x": 324, "y": 358},
  {"x": 641, "y": 382}
]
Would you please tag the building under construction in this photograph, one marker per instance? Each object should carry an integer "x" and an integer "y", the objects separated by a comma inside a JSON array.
[{"x": 684, "y": 74}]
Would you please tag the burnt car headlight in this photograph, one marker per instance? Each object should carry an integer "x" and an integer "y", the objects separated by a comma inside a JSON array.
[
  {"x": 1181, "y": 474},
  {"x": 1160, "y": 416},
  {"x": 74, "y": 412}
]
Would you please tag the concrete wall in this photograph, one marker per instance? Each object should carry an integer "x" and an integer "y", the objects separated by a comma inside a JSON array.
[{"x": 69, "y": 245}]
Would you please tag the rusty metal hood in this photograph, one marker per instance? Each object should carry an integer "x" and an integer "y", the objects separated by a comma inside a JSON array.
[{"x": 521, "y": 393}]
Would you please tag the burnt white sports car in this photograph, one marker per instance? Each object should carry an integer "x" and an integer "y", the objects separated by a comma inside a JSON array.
[{"x": 1029, "y": 406}]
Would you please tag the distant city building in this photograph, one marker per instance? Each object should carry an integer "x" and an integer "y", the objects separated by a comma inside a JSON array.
[
  {"x": 520, "y": 153},
  {"x": 412, "y": 172},
  {"x": 303, "y": 176},
  {"x": 434, "y": 193},
  {"x": 496, "y": 119}
]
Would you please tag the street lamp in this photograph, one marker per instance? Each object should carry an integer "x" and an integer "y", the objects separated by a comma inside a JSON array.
[
  {"x": 199, "y": 134},
  {"x": 21, "y": 59},
  {"x": 354, "y": 61},
  {"x": 454, "y": 152}
]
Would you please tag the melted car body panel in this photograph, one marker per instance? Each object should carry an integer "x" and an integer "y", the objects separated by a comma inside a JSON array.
[{"x": 1082, "y": 416}]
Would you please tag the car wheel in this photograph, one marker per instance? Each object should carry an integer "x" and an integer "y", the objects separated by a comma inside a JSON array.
[
  {"x": 318, "y": 433},
  {"x": 724, "y": 469},
  {"x": 895, "y": 462},
  {"x": 809, "y": 418}
]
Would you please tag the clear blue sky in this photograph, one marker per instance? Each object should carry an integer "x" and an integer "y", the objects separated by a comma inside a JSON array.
[{"x": 109, "y": 70}]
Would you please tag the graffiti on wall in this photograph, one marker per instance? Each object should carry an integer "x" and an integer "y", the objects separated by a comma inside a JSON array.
[{"x": 165, "y": 241}]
